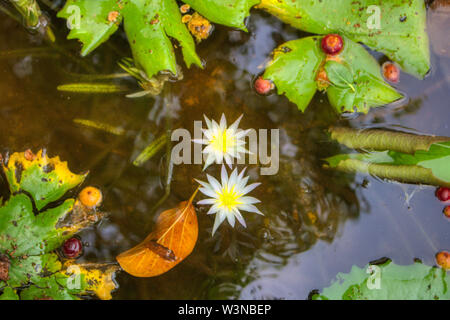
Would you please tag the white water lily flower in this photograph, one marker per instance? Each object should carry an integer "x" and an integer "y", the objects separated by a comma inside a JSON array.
[
  {"x": 223, "y": 143},
  {"x": 228, "y": 197}
]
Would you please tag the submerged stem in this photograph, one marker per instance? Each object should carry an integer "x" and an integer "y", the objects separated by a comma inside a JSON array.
[
  {"x": 380, "y": 140},
  {"x": 29, "y": 10}
]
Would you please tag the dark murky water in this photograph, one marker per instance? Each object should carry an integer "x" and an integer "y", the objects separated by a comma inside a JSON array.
[{"x": 317, "y": 222}]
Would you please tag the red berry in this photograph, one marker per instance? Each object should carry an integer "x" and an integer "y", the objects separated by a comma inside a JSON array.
[
  {"x": 263, "y": 86},
  {"x": 443, "y": 194},
  {"x": 447, "y": 211},
  {"x": 391, "y": 72},
  {"x": 332, "y": 44},
  {"x": 443, "y": 260},
  {"x": 72, "y": 248}
]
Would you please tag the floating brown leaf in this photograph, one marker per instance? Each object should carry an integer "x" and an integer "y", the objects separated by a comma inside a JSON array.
[{"x": 170, "y": 243}]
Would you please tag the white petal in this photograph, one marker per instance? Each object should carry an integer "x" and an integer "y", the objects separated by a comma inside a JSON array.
[
  {"x": 241, "y": 184},
  {"x": 207, "y": 201},
  {"x": 204, "y": 184},
  {"x": 223, "y": 122},
  {"x": 214, "y": 208},
  {"x": 222, "y": 215},
  {"x": 236, "y": 123},
  {"x": 217, "y": 223},
  {"x": 230, "y": 218},
  {"x": 199, "y": 141},
  {"x": 227, "y": 159},
  {"x": 219, "y": 157},
  {"x": 208, "y": 161},
  {"x": 208, "y": 192},
  {"x": 250, "y": 187},
  {"x": 208, "y": 122},
  {"x": 242, "y": 133},
  {"x": 214, "y": 183},
  {"x": 233, "y": 178},
  {"x": 208, "y": 149},
  {"x": 241, "y": 174},
  {"x": 215, "y": 126},
  {"x": 208, "y": 134},
  {"x": 249, "y": 208},
  {"x": 224, "y": 176},
  {"x": 248, "y": 200},
  {"x": 239, "y": 217}
]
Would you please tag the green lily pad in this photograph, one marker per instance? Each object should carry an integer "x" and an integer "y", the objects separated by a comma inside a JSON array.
[
  {"x": 88, "y": 21},
  {"x": 389, "y": 281},
  {"x": 355, "y": 81},
  {"x": 395, "y": 27},
  {"x": 293, "y": 69},
  {"x": 149, "y": 26}
]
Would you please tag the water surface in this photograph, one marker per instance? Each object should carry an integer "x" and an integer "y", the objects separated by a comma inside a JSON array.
[{"x": 317, "y": 222}]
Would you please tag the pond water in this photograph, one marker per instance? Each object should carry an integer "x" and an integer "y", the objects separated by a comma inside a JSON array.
[{"x": 317, "y": 222}]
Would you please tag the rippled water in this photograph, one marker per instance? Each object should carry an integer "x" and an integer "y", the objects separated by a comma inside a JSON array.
[{"x": 317, "y": 222}]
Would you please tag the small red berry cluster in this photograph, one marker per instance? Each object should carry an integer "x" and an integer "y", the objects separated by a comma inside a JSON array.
[
  {"x": 443, "y": 257},
  {"x": 331, "y": 44},
  {"x": 443, "y": 194}
]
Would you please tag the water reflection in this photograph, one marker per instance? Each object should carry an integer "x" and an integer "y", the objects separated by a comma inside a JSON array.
[{"x": 317, "y": 222}]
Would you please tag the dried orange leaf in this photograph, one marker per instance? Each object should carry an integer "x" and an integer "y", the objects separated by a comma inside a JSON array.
[{"x": 170, "y": 243}]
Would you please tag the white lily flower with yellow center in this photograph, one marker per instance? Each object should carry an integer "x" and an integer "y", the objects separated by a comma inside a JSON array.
[
  {"x": 223, "y": 143},
  {"x": 228, "y": 197}
]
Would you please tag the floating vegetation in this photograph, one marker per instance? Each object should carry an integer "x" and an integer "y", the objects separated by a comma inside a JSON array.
[
  {"x": 92, "y": 88},
  {"x": 152, "y": 149},
  {"x": 101, "y": 126}
]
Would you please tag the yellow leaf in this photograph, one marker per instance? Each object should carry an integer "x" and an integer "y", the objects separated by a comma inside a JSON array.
[{"x": 96, "y": 278}]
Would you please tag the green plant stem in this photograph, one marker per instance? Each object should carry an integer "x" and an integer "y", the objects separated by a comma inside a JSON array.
[{"x": 29, "y": 10}]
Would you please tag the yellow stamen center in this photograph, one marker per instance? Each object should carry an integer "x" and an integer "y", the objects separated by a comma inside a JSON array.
[
  {"x": 229, "y": 198},
  {"x": 223, "y": 141}
]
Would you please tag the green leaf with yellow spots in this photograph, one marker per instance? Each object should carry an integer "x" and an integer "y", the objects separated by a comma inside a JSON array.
[{"x": 45, "y": 179}]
